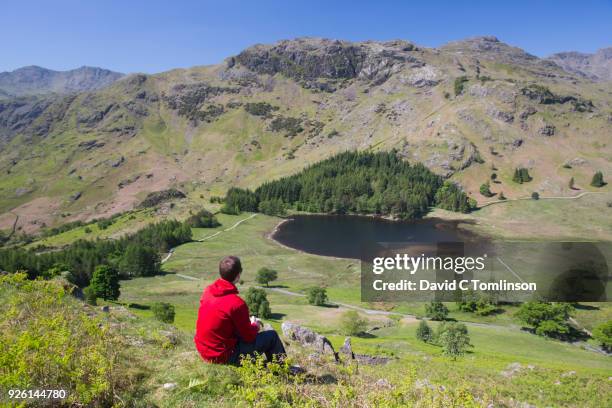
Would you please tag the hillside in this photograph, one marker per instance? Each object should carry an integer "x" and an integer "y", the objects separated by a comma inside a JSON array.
[{"x": 465, "y": 110}]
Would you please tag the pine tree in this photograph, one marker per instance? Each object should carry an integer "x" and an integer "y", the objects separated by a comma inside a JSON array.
[{"x": 598, "y": 180}]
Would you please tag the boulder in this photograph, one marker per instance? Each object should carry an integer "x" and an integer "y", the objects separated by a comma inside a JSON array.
[{"x": 308, "y": 338}]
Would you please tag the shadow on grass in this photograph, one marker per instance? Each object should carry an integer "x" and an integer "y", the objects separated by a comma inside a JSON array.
[
  {"x": 330, "y": 305},
  {"x": 276, "y": 287},
  {"x": 585, "y": 307},
  {"x": 277, "y": 316},
  {"x": 139, "y": 306}
]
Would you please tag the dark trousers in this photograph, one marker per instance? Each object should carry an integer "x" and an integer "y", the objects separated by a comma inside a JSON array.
[{"x": 267, "y": 343}]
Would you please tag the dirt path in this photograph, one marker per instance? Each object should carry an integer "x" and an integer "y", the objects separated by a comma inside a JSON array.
[
  {"x": 169, "y": 254},
  {"x": 542, "y": 198},
  {"x": 225, "y": 230}
]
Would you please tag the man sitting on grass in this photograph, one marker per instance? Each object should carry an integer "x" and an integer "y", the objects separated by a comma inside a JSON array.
[{"x": 224, "y": 331}]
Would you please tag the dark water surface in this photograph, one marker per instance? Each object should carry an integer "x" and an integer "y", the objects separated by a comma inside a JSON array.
[{"x": 349, "y": 236}]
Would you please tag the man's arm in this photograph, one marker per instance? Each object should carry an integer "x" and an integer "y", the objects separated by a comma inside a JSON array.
[{"x": 246, "y": 330}]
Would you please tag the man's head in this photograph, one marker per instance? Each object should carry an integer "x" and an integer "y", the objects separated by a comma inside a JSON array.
[{"x": 230, "y": 268}]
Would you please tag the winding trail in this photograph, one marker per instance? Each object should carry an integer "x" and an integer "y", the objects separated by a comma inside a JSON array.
[{"x": 171, "y": 251}]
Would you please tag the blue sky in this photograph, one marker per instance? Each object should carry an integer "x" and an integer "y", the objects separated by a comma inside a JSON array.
[{"x": 153, "y": 36}]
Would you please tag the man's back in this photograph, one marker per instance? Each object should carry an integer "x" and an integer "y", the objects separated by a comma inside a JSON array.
[{"x": 223, "y": 318}]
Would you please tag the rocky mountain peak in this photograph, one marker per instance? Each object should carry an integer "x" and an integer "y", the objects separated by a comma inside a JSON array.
[{"x": 312, "y": 59}]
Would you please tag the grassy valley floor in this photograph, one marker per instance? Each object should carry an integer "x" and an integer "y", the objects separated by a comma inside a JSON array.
[{"x": 550, "y": 372}]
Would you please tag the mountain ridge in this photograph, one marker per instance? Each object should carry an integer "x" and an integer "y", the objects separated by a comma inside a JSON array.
[
  {"x": 36, "y": 80},
  {"x": 463, "y": 110}
]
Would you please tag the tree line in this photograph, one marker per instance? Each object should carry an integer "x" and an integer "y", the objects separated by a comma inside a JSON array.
[
  {"x": 130, "y": 256},
  {"x": 354, "y": 182}
]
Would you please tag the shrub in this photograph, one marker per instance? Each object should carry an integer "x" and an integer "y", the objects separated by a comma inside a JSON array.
[
  {"x": 459, "y": 85},
  {"x": 547, "y": 319},
  {"x": 436, "y": 311},
  {"x": 105, "y": 283},
  {"x": 317, "y": 296},
  {"x": 424, "y": 332},
  {"x": 263, "y": 109},
  {"x": 351, "y": 324},
  {"x": 501, "y": 196},
  {"x": 535, "y": 195},
  {"x": 454, "y": 339},
  {"x": 485, "y": 190},
  {"x": 265, "y": 276},
  {"x": 597, "y": 180},
  {"x": 91, "y": 298},
  {"x": 202, "y": 219},
  {"x": 105, "y": 223},
  {"x": 603, "y": 334},
  {"x": 87, "y": 230},
  {"x": 478, "y": 303},
  {"x": 164, "y": 312},
  {"x": 257, "y": 302}
]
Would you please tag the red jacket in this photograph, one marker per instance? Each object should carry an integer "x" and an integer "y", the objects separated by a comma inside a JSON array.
[{"x": 223, "y": 318}]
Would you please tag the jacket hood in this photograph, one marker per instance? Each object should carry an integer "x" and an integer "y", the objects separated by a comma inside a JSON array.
[{"x": 221, "y": 287}]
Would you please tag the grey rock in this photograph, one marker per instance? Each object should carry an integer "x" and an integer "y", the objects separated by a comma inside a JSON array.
[
  {"x": 547, "y": 130},
  {"x": 76, "y": 196},
  {"x": 308, "y": 338},
  {"x": 346, "y": 347}
]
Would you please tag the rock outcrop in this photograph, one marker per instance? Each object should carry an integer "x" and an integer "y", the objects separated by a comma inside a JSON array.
[{"x": 308, "y": 338}]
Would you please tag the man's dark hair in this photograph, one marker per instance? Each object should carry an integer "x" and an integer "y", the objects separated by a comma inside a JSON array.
[{"x": 229, "y": 268}]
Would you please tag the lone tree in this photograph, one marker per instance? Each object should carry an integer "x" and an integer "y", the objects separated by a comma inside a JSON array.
[
  {"x": 317, "y": 296},
  {"x": 485, "y": 190},
  {"x": 603, "y": 334},
  {"x": 598, "y": 180},
  {"x": 265, "y": 276},
  {"x": 436, "y": 311},
  {"x": 535, "y": 195},
  {"x": 104, "y": 283},
  {"x": 258, "y": 304},
  {"x": 454, "y": 339},
  {"x": 501, "y": 196},
  {"x": 424, "y": 332},
  {"x": 547, "y": 319},
  {"x": 164, "y": 312},
  {"x": 571, "y": 184},
  {"x": 352, "y": 324}
]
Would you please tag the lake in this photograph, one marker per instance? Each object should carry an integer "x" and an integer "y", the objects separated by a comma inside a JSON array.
[{"x": 350, "y": 236}]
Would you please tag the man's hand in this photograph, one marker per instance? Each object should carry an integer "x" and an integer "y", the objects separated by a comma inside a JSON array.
[{"x": 258, "y": 322}]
